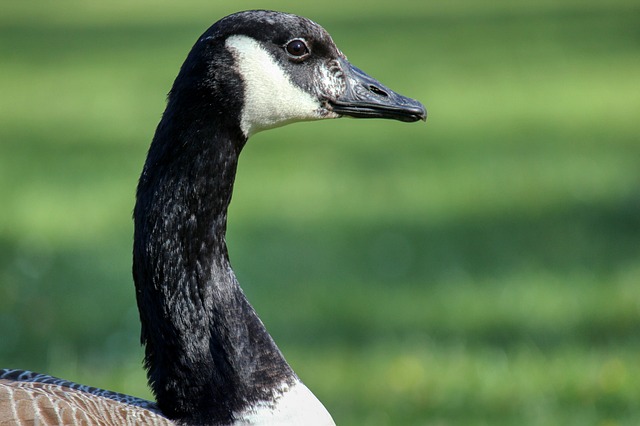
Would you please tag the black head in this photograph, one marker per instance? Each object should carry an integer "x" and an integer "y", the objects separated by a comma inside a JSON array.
[{"x": 278, "y": 68}]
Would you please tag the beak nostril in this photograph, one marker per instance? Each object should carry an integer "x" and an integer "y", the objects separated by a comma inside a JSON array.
[{"x": 378, "y": 91}]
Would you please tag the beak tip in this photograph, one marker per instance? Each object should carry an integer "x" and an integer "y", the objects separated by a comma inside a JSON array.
[{"x": 420, "y": 114}]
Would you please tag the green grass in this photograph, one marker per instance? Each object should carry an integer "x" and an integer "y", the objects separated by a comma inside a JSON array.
[{"x": 481, "y": 269}]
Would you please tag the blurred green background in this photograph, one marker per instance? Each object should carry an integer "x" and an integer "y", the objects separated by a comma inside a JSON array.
[{"x": 482, "y": 269}]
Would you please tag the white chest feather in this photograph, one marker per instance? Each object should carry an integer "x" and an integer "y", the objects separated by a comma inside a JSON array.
[
  {"x": 295, "y": 406},
  {"x": 270, "y": 98}
]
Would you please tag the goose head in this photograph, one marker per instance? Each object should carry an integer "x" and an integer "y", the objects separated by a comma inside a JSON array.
[{"x": 278, "y": 68}]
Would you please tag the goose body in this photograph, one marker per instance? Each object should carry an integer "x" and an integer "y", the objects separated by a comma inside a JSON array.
[{"x": 209, "y": 358}]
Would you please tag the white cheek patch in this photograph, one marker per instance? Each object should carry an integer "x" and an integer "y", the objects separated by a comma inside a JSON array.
[{"x": 270, "y": 98}]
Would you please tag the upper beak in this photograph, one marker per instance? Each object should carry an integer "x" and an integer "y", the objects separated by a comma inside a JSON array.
[{"x": 366, "y": 97}]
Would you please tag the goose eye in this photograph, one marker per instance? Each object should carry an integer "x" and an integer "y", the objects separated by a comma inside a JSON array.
[{"x": 297, "y": 48}]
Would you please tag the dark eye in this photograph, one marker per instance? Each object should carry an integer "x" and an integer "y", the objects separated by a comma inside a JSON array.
[{"x": 297, "y": 48}]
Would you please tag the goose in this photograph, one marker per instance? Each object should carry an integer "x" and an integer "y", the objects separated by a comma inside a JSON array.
[{"x": 209, "y": 358}]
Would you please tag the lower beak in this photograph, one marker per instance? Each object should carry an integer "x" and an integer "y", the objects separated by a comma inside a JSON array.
[{"x": 366, "y": 97}]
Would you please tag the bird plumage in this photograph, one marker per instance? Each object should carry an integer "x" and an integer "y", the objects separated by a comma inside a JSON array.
[{"x": 208, "y": 356}]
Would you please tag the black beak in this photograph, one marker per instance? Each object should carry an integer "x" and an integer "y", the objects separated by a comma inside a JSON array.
[{"x": 366, "y": 97}]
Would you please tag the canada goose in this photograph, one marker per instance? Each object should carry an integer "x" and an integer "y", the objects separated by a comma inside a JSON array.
[{"x": 208, "y": 356}]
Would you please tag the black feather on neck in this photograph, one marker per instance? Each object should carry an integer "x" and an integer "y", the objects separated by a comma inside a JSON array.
[{"x": 208, "y": 354}]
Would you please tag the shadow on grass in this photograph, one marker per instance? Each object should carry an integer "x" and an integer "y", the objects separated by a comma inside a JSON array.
[
  {"x": 78, "y": 304},
  {"x": 374, "y": 282}
]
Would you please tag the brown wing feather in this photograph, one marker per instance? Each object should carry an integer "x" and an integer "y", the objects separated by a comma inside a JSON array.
[{"x": 43, "y": 404}]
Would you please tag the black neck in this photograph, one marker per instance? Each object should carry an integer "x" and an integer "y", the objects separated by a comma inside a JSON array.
[{"x": 208, "y": 354}]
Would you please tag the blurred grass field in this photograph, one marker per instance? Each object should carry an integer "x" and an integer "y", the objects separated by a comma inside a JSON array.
[{"x": 482, "y": 269}]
